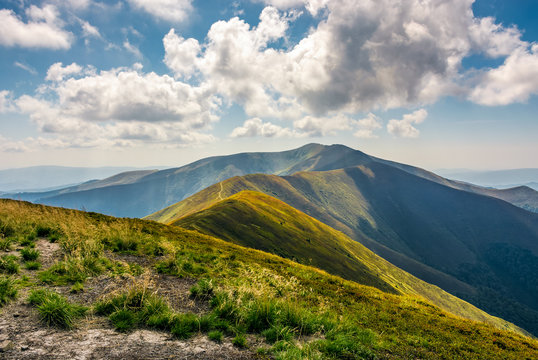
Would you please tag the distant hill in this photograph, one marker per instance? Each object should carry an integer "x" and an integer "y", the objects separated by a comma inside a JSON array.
[
  {"x": 494, "y": 178},
  {"x": 455, "y": 239},
  {"x": 123, "y": 178},
  {"x": 42, "y": 178},
  {"x": 154, "y": 191}
]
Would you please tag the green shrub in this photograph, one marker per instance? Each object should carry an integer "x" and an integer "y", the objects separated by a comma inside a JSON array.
[
  {"x": 215, "y": 335},
  {"x": 32, "y": 265},
  {"x": 8, "y": 290},
  {"x": 9, "y": 264},
  {"x": 240, "y": 341},
  {"x": 54, "y": 309},
  {"x": 123, "y": 320},
  {"x": 29, "y": 254},
  {"x": 203, "y": 289}
]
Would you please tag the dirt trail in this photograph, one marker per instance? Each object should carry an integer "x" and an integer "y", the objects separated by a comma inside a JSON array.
[{"x": 220, "y": 192}]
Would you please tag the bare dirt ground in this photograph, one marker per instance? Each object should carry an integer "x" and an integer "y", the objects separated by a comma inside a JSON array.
[{"x": 22, "y": 336}]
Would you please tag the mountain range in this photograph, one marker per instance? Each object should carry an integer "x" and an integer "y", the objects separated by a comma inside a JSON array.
[
  {"x": 477, "y": 247},
  {"x": 126, "y": 195}
]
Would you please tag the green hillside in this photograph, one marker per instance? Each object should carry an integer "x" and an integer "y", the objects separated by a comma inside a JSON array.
[
  {"x": 270, "y": 225},
  {"x": 476, "y": 247},
  {"x": 266, "y": 304}
]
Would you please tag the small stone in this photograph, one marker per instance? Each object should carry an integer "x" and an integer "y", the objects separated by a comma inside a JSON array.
[
  {"x": 198, "y": 350},
  {"x": 24, "y": 347},
  {"x": 6, "y": 345}
]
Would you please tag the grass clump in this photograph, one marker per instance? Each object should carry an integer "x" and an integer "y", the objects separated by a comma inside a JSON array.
[
  {"x": 6, "y": 229},
  {"x": 121, "y": 244},
  {"x": 54, "y": 309},
  {"x": 347, "y": 346},
  {"x": 277, "y": 333},
  {"x": 216, "y": 336},
  {"x": 203, "y": 289},
  {"x": 8, "y": 290},
  {"x": 182, "y": 264},
  {"x": 32, "y": 265},
  {"x": 183, "y": 326},
  {"x": 77, "y": 288},
  {"x": 75, "y": 270},
  {"x": 29, "y": 254},
  {"x": 139, "y": 307},
  {"x": 9, "y": 264},
  {"x": 240, "y": 341},
  {"x": 46, "y": 231},
  {"x": 123, "y": 320},
  {"x": 5, "y": 243},
  {"x": 136, "y": 307}
]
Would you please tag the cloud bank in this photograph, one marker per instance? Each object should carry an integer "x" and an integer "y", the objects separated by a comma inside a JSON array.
[{"x": 359, "y": 58}]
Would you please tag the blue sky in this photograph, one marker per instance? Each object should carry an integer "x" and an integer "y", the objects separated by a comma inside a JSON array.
[{"x": 438, "y": 84}]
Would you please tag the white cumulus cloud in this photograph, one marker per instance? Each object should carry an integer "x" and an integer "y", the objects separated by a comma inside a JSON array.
[
  {"x": 120, "y": 107},
  {"x": 5, "y": 101},
  {"x": 181, "y": 54},
  {"x": 256, "y": 127},
  {"x": 404, "y": 127},
  {"x": 514, "y": 81},
  {"x": 315, "y": 126},
  {"x": 169, "y": 10},
  {"x": 367, "y": 126},
  {"x": 361, "y": 56},
  {"x": 44, "y": 29},
  {"x": 57, "y": 71}
]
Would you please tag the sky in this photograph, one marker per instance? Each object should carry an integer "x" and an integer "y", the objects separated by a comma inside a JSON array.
[{"x": 432, "y": 83}]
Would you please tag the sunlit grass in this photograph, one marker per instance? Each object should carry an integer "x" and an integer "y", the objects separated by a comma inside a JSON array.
[{"x": 299, "y": 311}]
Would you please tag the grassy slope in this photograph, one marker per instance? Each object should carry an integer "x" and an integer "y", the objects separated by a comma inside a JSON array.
[
  {"x": 271, "y": 225},
  {"x": 399, "y": 326},
  {"x": 479, "y": 248}
]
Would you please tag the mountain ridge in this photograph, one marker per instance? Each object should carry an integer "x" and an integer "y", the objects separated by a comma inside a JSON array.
[{"x": 162, "y": 188}]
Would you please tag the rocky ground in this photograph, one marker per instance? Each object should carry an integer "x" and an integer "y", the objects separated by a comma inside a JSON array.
[{"x": 23, "y": 336}]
